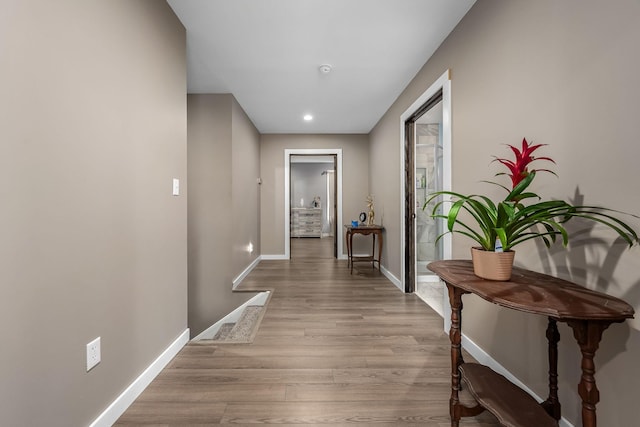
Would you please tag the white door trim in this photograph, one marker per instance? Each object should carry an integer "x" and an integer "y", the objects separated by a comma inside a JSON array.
[
  {"x": 288, "y": 152},
  {"x": 444, "y": 83}
]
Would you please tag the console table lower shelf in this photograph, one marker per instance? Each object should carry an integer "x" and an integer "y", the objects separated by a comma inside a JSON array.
[
  {"x": 508, "y": 402},
  {"x": 588, "y": 313}
]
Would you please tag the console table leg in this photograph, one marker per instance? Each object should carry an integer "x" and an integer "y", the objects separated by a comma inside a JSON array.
[
  {"x": 588, "y": 334},
  {"x": 552, "y": 404},
  {"x": 373, "y": 253},
  {"x": 455, "y": 336},
  {"x": 380, "y": 252},
  {"x": 351, "y": 251},
  {"x": 346, "y": 240}
]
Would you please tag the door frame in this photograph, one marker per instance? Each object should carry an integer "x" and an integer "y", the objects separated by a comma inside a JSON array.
[
  {"x": 442, "y": 83},
  {"x": 410, "y": 147},
  {"x": 288, "y": 152}
]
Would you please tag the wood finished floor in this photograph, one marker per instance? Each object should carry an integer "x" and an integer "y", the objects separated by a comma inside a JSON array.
[{"x": 333, "y": 349}]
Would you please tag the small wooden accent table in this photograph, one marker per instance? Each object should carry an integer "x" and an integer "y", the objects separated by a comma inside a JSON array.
[
  {"x": 587, "y": 312},
  {"x": 374, "y": 230}
]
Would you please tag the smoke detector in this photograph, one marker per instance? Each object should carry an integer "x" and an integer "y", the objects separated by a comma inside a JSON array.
[{"x": 325, "y": 68}]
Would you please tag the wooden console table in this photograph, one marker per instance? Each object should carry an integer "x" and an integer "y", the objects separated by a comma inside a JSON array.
[
  {"x": 374, "y": 230},
  {"x": 587, "y": 312}
]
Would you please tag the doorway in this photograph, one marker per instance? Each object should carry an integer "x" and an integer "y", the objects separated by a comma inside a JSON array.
[
  {"x": 313, "y": 205},
  {"x": 426, "y": 136},
  {"x": 329, "y": 196}
]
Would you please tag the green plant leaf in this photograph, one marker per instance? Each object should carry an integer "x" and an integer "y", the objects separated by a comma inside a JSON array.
[{"x": 513, "y": 222}]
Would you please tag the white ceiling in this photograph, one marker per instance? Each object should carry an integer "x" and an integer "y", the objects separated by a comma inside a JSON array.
[{"x": 267, "y": 53}]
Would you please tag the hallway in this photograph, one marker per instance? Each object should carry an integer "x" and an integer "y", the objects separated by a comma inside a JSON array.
[{"x": 333, "y": 349}]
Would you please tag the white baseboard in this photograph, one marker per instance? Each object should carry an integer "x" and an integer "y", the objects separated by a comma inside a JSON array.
[
  {"x": 246, "y": 272},
  {"x": 393, "y": 279},
  {"x": 485, "y": 359},
  {"x": 274, "y": 257},
  {"x": 122, "y": 402}
]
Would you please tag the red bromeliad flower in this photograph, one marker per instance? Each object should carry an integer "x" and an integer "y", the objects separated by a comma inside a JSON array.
[{"x": 519, "y": 168}]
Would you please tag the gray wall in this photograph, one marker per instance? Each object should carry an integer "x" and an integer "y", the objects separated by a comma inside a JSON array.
[
  {"x": 558, "y": 73},
  {"x": 223, "y": 154},
  {"x": 92, "y": 131},
  {"x": 355, "y": 172},
  {"x": 308, "y": 182},
  {"x": 245, "y": 151}
]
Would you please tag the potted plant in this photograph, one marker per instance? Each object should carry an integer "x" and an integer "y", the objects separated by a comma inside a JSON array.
[{"x": 522, "y": 215}]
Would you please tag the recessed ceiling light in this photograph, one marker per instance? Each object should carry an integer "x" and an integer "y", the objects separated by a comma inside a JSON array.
[
  {"x": 308, "y": 117},
  {"x": 325, "y": 68}
]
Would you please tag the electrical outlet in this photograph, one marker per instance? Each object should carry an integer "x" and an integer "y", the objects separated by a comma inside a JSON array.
[{"x": 93, "y": 353}]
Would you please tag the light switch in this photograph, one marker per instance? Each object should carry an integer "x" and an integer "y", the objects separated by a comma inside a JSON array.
[{"x": 176, "y": 187}]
